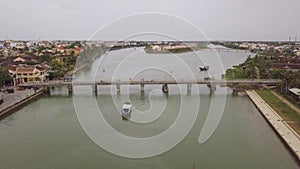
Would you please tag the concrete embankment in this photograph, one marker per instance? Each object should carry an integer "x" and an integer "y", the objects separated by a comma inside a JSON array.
[
  {"x": 18, "y": 102},
  {"x": 290, "y": 137}
]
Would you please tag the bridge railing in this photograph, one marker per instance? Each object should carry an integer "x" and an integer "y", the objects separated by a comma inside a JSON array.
[{"x": 136, "y": 82}]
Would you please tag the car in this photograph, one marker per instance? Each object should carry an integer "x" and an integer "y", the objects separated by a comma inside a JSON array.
[
  {"x": 9, "y": 90},
  {"x": 1, "y": 99}
]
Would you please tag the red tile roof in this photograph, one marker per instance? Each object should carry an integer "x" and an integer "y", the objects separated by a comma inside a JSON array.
[
  {"x": 25, "y": 69},
  {"x": 12, "y": 68}
]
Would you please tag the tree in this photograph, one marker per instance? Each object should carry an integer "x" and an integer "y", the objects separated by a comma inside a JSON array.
[
  {"x": 295, "y": 82},
  {"x": 287, "y": 78},
  {"x": 277, "y": 73},
  {"x": 76, "y": 43},
  {"x": 4, "y": 75},
  {"x": 45, "y": 57},
  {"x": 250, "y": 68}
]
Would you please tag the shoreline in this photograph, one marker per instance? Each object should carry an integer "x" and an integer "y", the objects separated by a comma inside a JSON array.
[
  {"x": 19, "y": 103},
  {"x": 286, "y": 133},
  {"x": 181, "y": 50},
  {"x": 20, "y": 99}
]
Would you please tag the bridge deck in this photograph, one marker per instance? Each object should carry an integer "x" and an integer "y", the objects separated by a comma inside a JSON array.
[{"x": 153, "y": 82}]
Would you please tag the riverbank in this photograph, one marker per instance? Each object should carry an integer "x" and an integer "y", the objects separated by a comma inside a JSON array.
[
  {"x": 86, "y": 58},
  {"x": 288, "y": 135},
  {"x": 178, "y": 50},
  {"x": 174, "y": 48},
  {"x": 285, "y": 111},
  {"x": 286, "y": 101},
  {"x": 16, "y": 100}
]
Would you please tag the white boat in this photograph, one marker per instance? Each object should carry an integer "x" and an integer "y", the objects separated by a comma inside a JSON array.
[{"x": 126, "y": 110}]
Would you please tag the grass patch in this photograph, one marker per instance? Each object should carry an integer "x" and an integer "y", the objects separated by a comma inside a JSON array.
[
  {"x": 282, "y": 109},
  {"x": 235, "y": 73},
  {"x": 179, "y": 50},
  {"x": 289, "y": 98}
]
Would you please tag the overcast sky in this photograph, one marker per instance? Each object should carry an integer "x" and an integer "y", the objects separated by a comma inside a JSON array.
[{"x": 217, "y": 19}]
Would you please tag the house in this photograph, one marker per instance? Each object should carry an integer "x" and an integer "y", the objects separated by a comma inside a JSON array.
[
  {"x": 19, "y": 59},
  {"x": 156, "y": 47},
  {"x": 283, "y": 59},
  {"x": 290, "y": 66},
  {"x": 25, "y": 73},
  {"x": 46, "y": 65},
  {"x": 59, "y": 49},
  {"x": 295, "y": 93},
  {"x": 32, "y": 57},
  {"x": 75, "y": 50},
  {"x": 12, "y": 69},
  {"x": 297, "y": 60}
]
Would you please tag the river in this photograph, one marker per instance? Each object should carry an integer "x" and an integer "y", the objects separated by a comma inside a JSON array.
[{"x": 47, "y": 133}]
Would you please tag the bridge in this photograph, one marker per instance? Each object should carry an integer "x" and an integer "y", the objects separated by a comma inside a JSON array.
[{"x": 211, "y": 83}]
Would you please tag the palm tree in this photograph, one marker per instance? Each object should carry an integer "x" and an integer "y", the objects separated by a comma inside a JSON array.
[
  {"x": 250, "y": 67},
  {"x": 287, "y": 78}
]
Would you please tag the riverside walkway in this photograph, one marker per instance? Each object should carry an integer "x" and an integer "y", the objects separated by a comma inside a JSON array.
[
  {"x": 13, "y": 101},
  {"x": 291, "y": 138}
]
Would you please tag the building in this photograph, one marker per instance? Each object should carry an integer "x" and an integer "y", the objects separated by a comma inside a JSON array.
[
  {"x": 19, "y": 59},
  {"x": 25, "y": 73},
  {"x": 295, "y": 93}
]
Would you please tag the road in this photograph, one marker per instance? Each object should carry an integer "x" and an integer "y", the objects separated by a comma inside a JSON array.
[{"x": 12, "y": 98}]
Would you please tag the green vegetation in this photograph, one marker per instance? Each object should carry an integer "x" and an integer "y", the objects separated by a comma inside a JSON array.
[
  {"x": 4, "y": 75},
  {"x": 252, "y": 68},
  {"x": 198, "y": 46},
  {"x": 290, "y": 78},
  {"x": 235, "y": 73},
  {"x": 281, "y": 108},
  {"x": 45, "y": 57},
  {"x": 270, "y": 52},
  {"x": 148, "y": 49},
  {"x": 289, "y": 98},
  {"x": 180, "y": 50},
  {"x": 41, "y": 48},
  {"x": 76, "y": 43},
  {"x": 232, "y": 46},
  {"x": 260, "y": 67},
  {"x": 62, "y": 65}
]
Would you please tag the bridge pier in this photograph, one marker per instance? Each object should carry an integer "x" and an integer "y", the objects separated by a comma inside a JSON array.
[
  {"x": 235, "y": 87},
  {"x": 189, "y": 88},
  {"x": 212, "y": 88},
  {"x": 46, "y": 89},
  {"x": 142, "y": 86},
  {"x": 165, "y": 88},
  {"x": 118, "y": 87},
  {"x": 94, "y": 89},
  {"x": 70, "y": 89}
]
